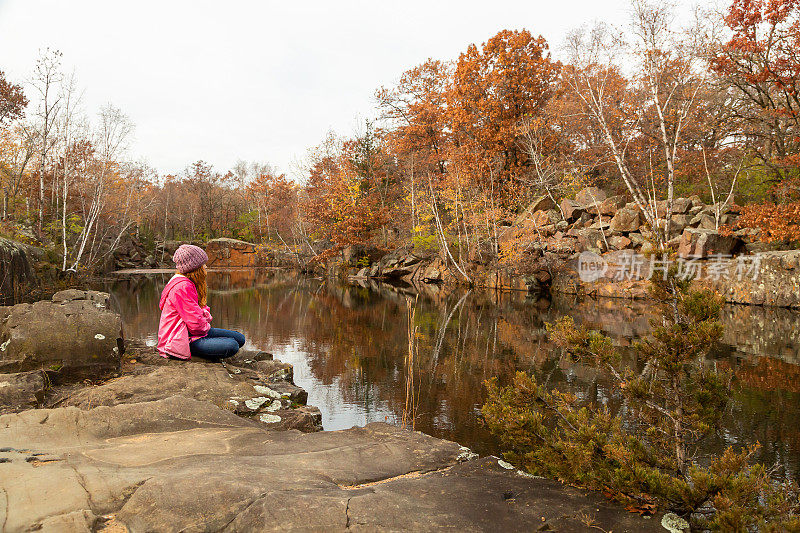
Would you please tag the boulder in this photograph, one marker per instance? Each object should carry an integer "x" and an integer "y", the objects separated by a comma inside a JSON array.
[
  {"x": 608, "y": 207},
  {"x": 591, "y": 240},
  {"x": 305, "y": 418},
  {"x": 637, "y": 239},
  {"x": 601, "y": 224},
  {"x": 546, "y": 218},
  {"x": 748, "y": 234},
  {"x": 233, "y": 253},
  {"x": 432, "y": 272},
  {"x": 679, "y": 222},
  {"x": 20, "y": 391},
  {"x": 72, "y": 337},
  {"x": 542, "y": 203},
  {"x": 681, "y": 206},
  {"x": 698, "y": 243},
  {"x": 626, "y": 220},
  {"x": 572, "y": 210},
  {"x": 398, "y": 265},
  {"x": 548, "y": 230},
  {"x": 703, "y": 220},
  {"x": 589, "y": 196},
  {"x": 619, "y": 242},
  {"x": 696, "y": 201},
  {"x": 100, "y": 299}
]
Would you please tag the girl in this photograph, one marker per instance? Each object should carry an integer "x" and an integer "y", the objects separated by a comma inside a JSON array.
[{"x": 185, "y": 327}]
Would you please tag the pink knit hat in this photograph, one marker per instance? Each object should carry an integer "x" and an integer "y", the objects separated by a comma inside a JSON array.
[{"x": 189, "y": 257}]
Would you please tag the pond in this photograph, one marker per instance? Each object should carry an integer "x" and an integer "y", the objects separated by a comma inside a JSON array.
[{"x": 349, "y": 345}]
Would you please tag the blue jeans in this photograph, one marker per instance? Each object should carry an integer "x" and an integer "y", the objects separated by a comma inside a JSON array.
[{"x": 217, "y": 344}]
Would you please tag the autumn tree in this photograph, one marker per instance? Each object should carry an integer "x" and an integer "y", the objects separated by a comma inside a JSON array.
[
  {"x": 417, "y": 131},
  {"x": 509, "y": 78},
  {"x": 274, "y": 198},
  {"x": 17, "y": 159},
  {"x": 12, "y": 100},
  {"x": 760, "y": 62},
  {"x": 342, "y": 198}
]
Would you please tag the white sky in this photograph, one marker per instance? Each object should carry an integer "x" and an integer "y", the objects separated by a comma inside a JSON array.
[{"x": 257, "y": 80}]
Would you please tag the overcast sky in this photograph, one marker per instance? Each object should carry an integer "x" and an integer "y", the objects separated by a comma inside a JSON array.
[{"x": 257, "y": 80}]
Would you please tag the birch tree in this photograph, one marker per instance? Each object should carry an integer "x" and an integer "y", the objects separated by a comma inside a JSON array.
[
  {"x": 649, "y": 109},
  {"x": 46, "y": 82},
  {"x": 112, "y": 135}
]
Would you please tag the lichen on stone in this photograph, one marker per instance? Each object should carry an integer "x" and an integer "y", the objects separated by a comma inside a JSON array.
[
  {"x": 274, "y": 406},
  {"x": 261, "y": 389},
  {"x": 466, "y": 455},
  {"x": 269, "y": 419},
  {"x": 505, "y": 464},
  {"x": 255, "y": 403},
  {"x": 674, "y": 523}
]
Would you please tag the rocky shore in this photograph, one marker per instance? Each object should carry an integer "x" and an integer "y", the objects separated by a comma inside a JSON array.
[
  {"x": 99, "y": 433},
  {"x": 554, "y": 237}
]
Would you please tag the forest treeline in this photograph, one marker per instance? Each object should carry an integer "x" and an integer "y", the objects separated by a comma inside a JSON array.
[{"x": 460, "y": 147}]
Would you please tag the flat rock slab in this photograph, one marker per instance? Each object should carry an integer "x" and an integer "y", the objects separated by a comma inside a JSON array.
[
  {"x": 251, "y": 385},
  {"x": 180, "y": 464}
]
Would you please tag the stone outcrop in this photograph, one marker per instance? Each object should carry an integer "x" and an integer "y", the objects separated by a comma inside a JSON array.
[
  {"x": 42, "y": 367},
  {"x": 697, "y": 243},
  {"x": 180, "y": 464},
  {"x": 73, "y": 336},
  {"x": 131, "y": 253},
  {"x": 772, "y": 279},
  {"x": 233, "y": 253},
  {"x": 17, "y": 275},
  {"x": 769, "y": 278},
  {"x": 597, "y": 223},
  {"x": 249, "y": 384},
  {"x": 405, "y": 266}
]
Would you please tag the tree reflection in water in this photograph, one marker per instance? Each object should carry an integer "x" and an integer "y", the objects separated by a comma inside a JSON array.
[{"x": 380, "y": 353}]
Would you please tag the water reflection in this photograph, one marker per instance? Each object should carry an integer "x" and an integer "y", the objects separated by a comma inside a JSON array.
[{"x": 350, "y": 348}]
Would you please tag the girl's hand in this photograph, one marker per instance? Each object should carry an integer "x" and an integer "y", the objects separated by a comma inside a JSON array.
[{"x": 207, "y": 314}]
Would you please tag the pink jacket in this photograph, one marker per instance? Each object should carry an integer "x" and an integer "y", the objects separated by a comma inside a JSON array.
[{"x": 182, "y": 318}]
